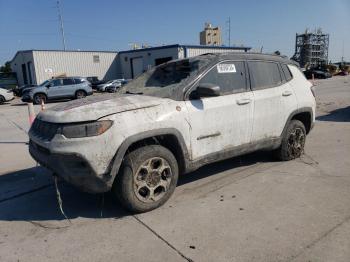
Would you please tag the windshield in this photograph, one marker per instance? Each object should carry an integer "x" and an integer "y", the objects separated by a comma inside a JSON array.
[
  {"x": 165, "y": 80},
  {"x": 44, "y": 83}
]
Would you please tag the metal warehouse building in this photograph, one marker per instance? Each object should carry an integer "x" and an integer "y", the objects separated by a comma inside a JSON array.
[
  {"x": 35, "y": 66},
  {"x": 135, "y": 62}
]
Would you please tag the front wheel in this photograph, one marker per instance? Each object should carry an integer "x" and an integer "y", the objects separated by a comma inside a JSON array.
[
  {"x": 39, "y": 98},
  {"x": 2, "y": 100},
  {"x": 147, "y": 178},
  {"x": 293, "y": 141}
]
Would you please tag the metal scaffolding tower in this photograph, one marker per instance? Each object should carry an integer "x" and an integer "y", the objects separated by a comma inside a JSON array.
[{"x": 311, "y": 48}]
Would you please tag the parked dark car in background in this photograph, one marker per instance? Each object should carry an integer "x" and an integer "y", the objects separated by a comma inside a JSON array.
[
  {"x": 95, "y": 81},
  {"x": 18, "y": 91},
  {"x": 115, "y": 87},
  {"x": 317, "y": 74}
]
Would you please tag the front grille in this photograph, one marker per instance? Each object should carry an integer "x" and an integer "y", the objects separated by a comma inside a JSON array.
[{"x": 44, "y": 130}]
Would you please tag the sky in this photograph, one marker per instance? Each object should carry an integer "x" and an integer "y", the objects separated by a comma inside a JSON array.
[{"x": 115, "y": 25}]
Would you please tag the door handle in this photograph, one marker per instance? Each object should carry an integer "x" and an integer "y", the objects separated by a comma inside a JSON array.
[
  {"x": 243, "y": 101},
  {"x": 287, "y": 93}
]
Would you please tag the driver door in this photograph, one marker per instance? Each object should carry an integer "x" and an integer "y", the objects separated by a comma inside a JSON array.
[
  {"x": 225, "y": 121},
  {"x": 54, "y": 88}
]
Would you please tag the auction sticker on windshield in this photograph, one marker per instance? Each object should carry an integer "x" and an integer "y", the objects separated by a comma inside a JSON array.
[{"x": 226, "y": 68}]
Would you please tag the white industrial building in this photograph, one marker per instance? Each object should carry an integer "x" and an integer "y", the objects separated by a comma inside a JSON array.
[
  {"x": 135, "y": 62},
  {"x": 36, "y": 66}
]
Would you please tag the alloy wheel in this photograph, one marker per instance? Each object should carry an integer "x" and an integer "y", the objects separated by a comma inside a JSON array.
[
  {"x": 296, "y": 141},
  {"x": 152, "y": 179}
]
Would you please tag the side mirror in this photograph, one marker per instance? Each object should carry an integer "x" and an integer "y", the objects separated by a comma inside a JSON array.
[{"x": 207, "y": 90}]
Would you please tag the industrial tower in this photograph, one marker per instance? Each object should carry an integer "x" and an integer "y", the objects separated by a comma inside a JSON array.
[{"x": 311, "y": 48}]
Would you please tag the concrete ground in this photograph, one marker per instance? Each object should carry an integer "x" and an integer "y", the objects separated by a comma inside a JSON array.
[{"x": 248, "y": 208}]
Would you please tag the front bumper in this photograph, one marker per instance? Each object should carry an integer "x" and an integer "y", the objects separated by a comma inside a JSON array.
[
  {"x": 75, "y": 161},
  {"x": 26, "y": 98}
]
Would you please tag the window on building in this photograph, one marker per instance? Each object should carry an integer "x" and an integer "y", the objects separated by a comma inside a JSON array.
[
  {"x": 96, "y": 58},
  {"x": 287, "y": 72},
  {"x": 264, "y": 74},
  {"x": 230, "y": 76},
  {"x": 68, "y": 81}
]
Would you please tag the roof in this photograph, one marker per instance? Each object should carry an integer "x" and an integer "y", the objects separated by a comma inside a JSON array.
[
  {"x": 252, "y": 56},
  {"x": 186, "y": 46},
  {"x": 57, "y": 50}
]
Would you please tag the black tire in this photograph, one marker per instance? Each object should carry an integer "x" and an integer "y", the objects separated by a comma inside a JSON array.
[
  {"x": 80, "y": 94},
  {"x": 151, "y": 166},
  {"x": 38, "y": 98},
  {"x": 2, "y": 100},
  {"x": 293, "y": 141}
]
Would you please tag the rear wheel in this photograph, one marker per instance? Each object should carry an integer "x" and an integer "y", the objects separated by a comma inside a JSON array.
[
  {"x": 293, "y": 141},
  {"x": 39, "y": 98},
  {"x": 2, "y": 100},
  {"x": 80, "y": 94},
  {"x": 147, "y": 178}
]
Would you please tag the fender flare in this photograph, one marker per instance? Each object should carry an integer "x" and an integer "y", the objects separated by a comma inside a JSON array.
[
  {"x": 298, "y": 111},
  {"x": 119, "y": 156}
]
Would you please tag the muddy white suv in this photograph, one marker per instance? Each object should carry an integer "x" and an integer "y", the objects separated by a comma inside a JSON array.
[{"x": 173, "y": 119}]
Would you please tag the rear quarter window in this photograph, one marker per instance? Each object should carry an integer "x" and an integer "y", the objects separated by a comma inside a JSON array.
[
  {"x": 264, "y": 74},
  {"x": 79, "y": 80},
  {"x": 288, "y": 75}
]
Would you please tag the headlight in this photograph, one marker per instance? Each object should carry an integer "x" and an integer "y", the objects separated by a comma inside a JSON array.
[
  {"x": 86, "y": 129},
  {"x": 9, "y": 91}
]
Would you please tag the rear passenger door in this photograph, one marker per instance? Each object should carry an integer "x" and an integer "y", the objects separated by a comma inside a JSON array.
[
  {"x": 267, "y": 85},
  {"x": 289, "y": 100},
  {"x": 68, "y": 87},
  {"x": 220, "y": 123}
]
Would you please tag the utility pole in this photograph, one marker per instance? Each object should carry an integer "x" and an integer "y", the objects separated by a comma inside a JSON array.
[
  {"x": 342, "y": 53},
  {"x": 229, "y": 31},
  {"x": 61, "y": 25}
]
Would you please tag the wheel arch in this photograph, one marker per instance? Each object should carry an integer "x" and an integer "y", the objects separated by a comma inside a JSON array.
[
  {"x": 305, "y": 115},
  {"x": 170, "y": 138},
  {"x": 40, "y": 93},
  {"x": 80, "y": 89}
]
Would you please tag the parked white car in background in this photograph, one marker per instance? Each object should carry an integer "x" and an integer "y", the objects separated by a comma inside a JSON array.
[
  {"x": 111, "y": 83},
  {"x": 5, "y": 95}
]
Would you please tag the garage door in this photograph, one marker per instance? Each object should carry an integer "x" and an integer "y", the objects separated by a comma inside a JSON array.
[{"x": 136, "y": 66}]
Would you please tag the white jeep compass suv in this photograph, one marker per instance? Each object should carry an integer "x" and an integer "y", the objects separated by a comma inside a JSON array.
[{"x": 173, "y": 119}]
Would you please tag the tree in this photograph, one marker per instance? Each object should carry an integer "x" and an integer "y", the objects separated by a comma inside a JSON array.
[{"x": 6, "y": 68}]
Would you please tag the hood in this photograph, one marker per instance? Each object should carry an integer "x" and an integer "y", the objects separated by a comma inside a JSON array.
[
  {"x": 95, "y": 107},
  {"x": 28, "y": 89}
]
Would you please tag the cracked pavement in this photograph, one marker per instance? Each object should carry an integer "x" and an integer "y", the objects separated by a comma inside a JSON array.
[{"x": 248, "y": 208}]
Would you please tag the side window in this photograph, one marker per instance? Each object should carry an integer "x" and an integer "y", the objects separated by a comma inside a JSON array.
[
  {"x": 78, "y": 80},
  {"x": 68, "y": 82},
  {"x": 264, "y": 74},
  {"x": 56, "y": 82},
  {"x": 230, "y": 76},
  {"x": 286, "y": 72}
]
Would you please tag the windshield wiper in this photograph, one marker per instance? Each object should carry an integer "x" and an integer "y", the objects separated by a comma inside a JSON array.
[{"x": 132, "y": 93}]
